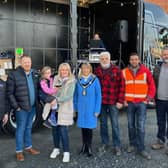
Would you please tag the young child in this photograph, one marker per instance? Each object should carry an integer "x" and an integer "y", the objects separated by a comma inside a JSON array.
[{"x": 48, "y": 93}]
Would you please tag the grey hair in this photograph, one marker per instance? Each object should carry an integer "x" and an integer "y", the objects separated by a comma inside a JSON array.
[
  {"x": 165, "y": 48},
  {"x": 105, "y": 53}
]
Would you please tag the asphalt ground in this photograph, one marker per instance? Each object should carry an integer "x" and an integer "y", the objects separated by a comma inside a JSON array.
[{"x": 42, "y": 140}]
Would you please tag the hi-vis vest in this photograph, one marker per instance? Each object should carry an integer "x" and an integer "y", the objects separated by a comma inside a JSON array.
[{"x": 136, "y": 87}]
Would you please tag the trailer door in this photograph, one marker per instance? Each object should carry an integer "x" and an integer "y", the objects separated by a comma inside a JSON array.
[{"x": 140, "y": 26}]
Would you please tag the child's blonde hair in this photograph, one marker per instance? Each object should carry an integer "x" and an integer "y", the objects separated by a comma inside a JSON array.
[{"x": 44, "y": 69}]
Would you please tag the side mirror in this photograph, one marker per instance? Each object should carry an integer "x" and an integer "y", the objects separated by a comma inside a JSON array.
[{"x": 163, "y": 31}]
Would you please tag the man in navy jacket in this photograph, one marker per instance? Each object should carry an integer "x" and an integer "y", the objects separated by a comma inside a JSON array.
[{"x": 22, "y": 92}]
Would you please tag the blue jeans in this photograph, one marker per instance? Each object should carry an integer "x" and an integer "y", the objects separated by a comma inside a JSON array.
[
  {"x": 24, "y": 122},
  {"x": 162, "y": 119},
  {"x": 112, "y": 112},
  {"x": 136, "y": 113},
  {"x": 60, "y": 133}
]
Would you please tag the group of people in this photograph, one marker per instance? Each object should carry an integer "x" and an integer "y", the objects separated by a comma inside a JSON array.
[{"x": 89, "y": 96}]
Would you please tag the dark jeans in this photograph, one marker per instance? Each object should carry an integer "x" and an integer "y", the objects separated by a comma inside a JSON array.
[
  {"x": 87, "y": 136},
  {"x": 162, "y": 119},
  {"x": 112, "y": 112},
  {"x": 60, "y": 133},
  {"x": 136, "y": 113},
  {"x": 24, "y": 122}
]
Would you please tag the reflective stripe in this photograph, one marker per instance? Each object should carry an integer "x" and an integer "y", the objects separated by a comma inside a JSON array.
[
  {"x": 136, "y": 86},
  {"x": 124, "y": 73},
  {"x": 135, "y": 82},
  {"x": 135, "y": 95},
  {"x": 145, "y": 77}
]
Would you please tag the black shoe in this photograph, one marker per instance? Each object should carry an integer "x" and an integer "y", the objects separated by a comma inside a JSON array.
[
  {"x": 145, "y": 155},
  {"x": 102, "y": 149},
  {"x": 83, "y": 150},
  {"x": 117, "y": 151},
  {"x": 89, "y": 151},
  {"x": 131, "y": 149}
]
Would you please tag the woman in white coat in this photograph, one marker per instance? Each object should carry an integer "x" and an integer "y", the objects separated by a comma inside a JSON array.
[{"x": 66, "y": 81}]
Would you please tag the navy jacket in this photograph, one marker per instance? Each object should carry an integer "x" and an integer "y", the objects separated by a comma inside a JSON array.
[{"x": 18, "y": 91}]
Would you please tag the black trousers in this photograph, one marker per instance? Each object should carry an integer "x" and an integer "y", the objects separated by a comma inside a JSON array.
[{"x": 87, "y": 135}]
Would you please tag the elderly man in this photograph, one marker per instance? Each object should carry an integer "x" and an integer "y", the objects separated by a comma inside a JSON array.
[
  {"x": 161, "y": 79},
  {"x": 139, "y": 89},
  {"x": 112, "y": 87},
  {"x": 22, "y": 92}
]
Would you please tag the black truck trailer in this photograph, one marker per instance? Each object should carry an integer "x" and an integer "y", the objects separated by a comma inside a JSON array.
[{"x": 44, "y": 30}]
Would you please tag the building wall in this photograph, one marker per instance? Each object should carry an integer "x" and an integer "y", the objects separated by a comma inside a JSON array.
[
  {"x": 162, "y": 3},
  {"x": 42, "y": 29}
]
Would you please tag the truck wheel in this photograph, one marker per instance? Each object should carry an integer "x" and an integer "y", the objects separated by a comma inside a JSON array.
[
  {"x": 11, "y": 124},
  {"x": 3, "y": 130}
]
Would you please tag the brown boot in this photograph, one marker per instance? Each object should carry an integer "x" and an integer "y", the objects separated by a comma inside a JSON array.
[
  {"x": 158, "y": 145},
  {"x": 19, "y": 156},
  {"x": 32, "y": 151}
]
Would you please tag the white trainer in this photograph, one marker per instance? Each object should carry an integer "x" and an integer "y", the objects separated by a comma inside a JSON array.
[
  {"x": 46, "y": 110},
  {"x": 66, "y": 157},
  {"x": 54, "y": 153}
]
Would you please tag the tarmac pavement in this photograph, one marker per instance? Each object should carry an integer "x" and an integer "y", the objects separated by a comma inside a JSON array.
[{"x": 42, "y": 140}]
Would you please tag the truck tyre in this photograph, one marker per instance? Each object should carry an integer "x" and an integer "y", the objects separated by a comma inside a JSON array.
[
  {"x": 3, "y": 130},
  {"x": 10, "y": 127}
]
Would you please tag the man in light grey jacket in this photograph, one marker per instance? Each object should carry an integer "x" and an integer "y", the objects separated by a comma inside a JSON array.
[{"x": 161, "y": 80}]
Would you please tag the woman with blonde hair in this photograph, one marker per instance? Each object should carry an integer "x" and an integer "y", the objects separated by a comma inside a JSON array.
[
  {"x": 87, "y": 103},
  {"x": 66, "y": 81}
]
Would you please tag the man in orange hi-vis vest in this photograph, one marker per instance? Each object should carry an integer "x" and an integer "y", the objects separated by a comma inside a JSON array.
[{"x": 139, "y": 90}]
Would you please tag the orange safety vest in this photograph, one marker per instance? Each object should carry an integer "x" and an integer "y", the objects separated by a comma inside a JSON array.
[{"x": 136, "y": 87}]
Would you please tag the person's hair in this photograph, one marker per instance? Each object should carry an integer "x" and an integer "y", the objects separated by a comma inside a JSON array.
[
  {"x": 133, "y": 54},
  {"x": 165, "y": 48},
  {"x": 87, "y": 64},
  {"x": 44, "y": 69},
  {"x": 25, "y": 56},
  {"x": 68, "y": 67},
  {"x": 105, "y": 53},
  {"x": 96, "y": 34}
]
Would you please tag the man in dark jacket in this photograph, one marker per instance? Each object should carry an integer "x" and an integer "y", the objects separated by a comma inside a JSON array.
[
  {"x": 161, "y": 79},
  {"x": 4, "y": 106},
  {"x": 113, "y": 87},
  {"x": 22, "y": 92},
  {"x": 96, "y": 42}
]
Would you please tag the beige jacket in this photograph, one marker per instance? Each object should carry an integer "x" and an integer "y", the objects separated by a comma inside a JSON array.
[{"x": 65, "y": 100}]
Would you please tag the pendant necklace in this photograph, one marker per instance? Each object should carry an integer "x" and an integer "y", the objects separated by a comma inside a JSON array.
[
  {"x": 84, "y": 92},
  {"x": 84, "y": 86}
]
